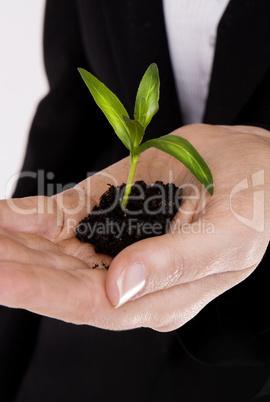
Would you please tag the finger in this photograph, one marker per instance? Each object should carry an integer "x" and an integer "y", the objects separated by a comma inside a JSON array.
[
  {"x": 21, "y": 247},
  {"x": 171, "y": 308},
  {"x": 54, "y": 293},
  {"x": 79, "y": 297},
  {"x": 17, "y": 247},
  {"x": 176, "y": 258},
  {"x": 29, "y": 240},
  {"x": 38, "y": 215}
]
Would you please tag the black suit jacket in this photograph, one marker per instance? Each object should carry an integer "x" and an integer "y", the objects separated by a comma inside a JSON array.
[{"x": 223, "y": 353}]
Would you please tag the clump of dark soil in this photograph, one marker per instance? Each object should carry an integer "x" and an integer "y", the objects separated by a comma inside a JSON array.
[{"x": 149, "y": 212}]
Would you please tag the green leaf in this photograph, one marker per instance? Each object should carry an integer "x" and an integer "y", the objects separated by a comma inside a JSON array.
[
  {"x": 181, "y": 149},
  {"x": 146, "y": 105},
  {"x": 109, "y": 104},
  {"x": 136, "y": 132}
]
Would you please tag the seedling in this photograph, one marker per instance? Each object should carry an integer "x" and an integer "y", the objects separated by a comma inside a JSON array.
[{"x": 131, "y": 131}]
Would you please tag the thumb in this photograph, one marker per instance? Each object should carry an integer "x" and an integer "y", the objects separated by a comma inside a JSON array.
[{"x": 175, "y": 258}]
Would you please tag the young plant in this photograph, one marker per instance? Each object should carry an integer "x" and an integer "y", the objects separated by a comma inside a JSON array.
[{"x": 131, "y": 131}]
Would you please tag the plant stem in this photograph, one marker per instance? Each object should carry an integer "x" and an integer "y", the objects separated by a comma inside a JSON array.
[{"x": 134, "y": 159}]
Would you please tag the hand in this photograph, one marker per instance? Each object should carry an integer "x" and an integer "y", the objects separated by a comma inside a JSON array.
[
  {"x": 215, "y": 242},
  {"x": 175, "y": 275}
]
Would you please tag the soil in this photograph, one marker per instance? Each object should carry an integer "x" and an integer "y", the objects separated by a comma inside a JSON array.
[{"x": 149, "y": 212}]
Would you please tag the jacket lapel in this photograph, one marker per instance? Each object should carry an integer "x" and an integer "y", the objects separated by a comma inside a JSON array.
[
  {"x": 137, "y": 32},
  {"x": 242, "y": 58},
  {"x": 138, "y": 36}
]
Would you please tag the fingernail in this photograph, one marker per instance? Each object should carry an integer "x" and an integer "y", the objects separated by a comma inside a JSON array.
[{"x": 130, "y": 282}]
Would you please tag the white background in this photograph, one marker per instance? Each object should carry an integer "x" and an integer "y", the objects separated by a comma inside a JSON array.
[{"x": 22, "y": 80}]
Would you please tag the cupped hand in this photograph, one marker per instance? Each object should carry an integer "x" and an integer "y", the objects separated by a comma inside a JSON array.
[{"x": 214, "y": 242}]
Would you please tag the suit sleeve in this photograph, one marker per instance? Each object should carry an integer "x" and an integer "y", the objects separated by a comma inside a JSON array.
[
  {"x": 63, "y": 145},
  {"x": 62, "y": 125}
]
